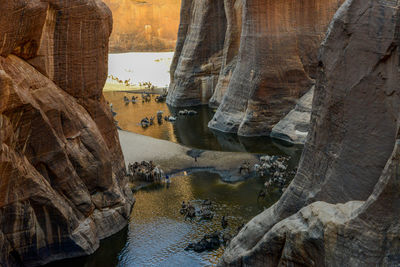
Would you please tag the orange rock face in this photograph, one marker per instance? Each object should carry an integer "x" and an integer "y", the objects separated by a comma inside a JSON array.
[
  {"x": 149, "y": 25},
  {"x": 62, "y": 174}
]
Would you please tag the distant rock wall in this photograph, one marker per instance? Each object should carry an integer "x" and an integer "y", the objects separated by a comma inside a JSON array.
[
  {"x": 149, "y": 25},
  {"x": 342, "y": 208},
  {"x": 62, "y": 173}
]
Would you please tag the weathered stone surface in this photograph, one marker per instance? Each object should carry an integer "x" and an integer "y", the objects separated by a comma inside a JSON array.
[
  {"x": 233, "y": 11},
  {"x": 276, "y": 63},
  {"x": 149, "y": 25},
  {"x": 198, "y": 55},
  {"x": 62, "y": 174},
  {"x": 354, "y": 126},
  {"x": 293, "y": 128}
]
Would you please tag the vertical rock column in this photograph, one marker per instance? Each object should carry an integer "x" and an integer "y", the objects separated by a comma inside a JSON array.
[
  {"x": 354, "y": 127},
  {"x": 198, "y": 56},
  {"x": 276, "y": 63}
]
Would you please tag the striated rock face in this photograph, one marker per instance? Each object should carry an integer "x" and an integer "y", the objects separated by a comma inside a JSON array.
[
  {"x": 276, "y": 63},
  {"x": 198, "y": 54},
  {"x": 233, "y": 11},
  {"x": 62, "y": 173},
  {"x": 261, "y": 59},
  {"x": 342, "y": 208},
  {"x": 149, "y": 25},
  {"x": 293, "y": 128}
]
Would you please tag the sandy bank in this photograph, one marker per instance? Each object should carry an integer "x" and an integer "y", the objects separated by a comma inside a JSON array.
[
  {"x": 174, "y": 158},
  {"x": 117, "y": 87}
]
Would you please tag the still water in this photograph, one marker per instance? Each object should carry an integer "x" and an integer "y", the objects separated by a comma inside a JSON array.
[
  {"x": 158, "y": 234},
  {"x": 191, "y": 131}
]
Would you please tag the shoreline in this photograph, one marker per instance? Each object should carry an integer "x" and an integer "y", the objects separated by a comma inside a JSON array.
[
  {"x": 175, "y": 158},
  {"x": 136, "y": 89}
]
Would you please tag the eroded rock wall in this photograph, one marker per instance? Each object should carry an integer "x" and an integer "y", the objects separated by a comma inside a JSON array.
[
  {"x": 276, "y": 63},
  {"x": 62, "y": 174},
  {"x": 198, "y": 54},
  {"x": 342, "y": 207}
]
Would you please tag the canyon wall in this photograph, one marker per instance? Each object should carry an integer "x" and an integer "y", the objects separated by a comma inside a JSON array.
[
  {"x": 342, "y": 208},
  {"x": 268, "y": 60},
  {"x": 198, "y": 54},
  {"x": 149, "y": 25},
  {"x": 62, "y": 173}
]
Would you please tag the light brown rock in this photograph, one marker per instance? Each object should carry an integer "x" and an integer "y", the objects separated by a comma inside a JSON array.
[
  {"x": 276, "y": 63},
  {"x": 198, "y": 55},
  {"x": 350, "y": 156},
  {"x": 62, "y": 173}
]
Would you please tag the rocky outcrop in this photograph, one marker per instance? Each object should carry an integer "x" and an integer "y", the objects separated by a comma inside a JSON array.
[
  {"x": 293, "y": 128},
  {"x": 233, "y": 11},
  {"x": 149, "y": 25},
  {"x": 276, "y": 63},
  {"x": 342, "y": 207},
  {"x": 198, "y": 54},
  {"x": 268, "y": 60},
  {"x": 62, "y": 173}
]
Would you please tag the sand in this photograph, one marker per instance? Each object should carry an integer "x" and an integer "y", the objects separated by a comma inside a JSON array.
[{"x": 174, "y": 158}]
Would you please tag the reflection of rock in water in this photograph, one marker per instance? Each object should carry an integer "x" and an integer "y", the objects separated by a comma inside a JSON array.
[{"x": 188, "y": 128}]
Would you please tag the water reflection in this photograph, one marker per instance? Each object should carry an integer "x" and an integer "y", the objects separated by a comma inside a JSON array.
[
  {"x": 158, "y": 233},
  {"x": 191, "y": 131}
]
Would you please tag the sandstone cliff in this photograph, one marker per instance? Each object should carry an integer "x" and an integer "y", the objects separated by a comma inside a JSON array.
[
  {"x": 342, "y": 208},
  {"x": 267, "y": 61},
  {"x": 149, "y": 25},
  {"x": 62, "y": 174},
  {"x": 198, "y": 54}
]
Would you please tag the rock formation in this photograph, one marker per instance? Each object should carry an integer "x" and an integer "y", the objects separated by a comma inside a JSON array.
[
  {"x": 198, "y": 54},
  {"x": 233, "y": 11},
  {"x": 267, "y": 61},
  {"x": 276, "y": 63},
  {"x": 342, "y": 208},
  {"x": 149, "y": 25},
  {"x": 62, "y": 173},
  {"x": 293, "y": 128}
]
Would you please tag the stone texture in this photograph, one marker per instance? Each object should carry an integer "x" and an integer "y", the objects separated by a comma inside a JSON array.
[
  {"x": 233, "y": 11},
  {"x": 149, "y": 25},
  {"x": 350, "y": 156},
  {"x": 276, "y": 63},
  {"x": 62, "y": 173},
  {"x": 198, "y": 54},
  {"x": 293, "y": 128}
]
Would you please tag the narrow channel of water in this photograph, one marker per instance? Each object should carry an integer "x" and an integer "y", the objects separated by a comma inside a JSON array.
[
  {"x": 158, "y": 234},
  {"x": 191, "y": 131}
]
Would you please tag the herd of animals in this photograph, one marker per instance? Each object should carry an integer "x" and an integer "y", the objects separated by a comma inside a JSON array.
[
  {"x": 272, "y": 168},
  {"x": 147, "y": 85},
  {"x": 149, "y": 121}
]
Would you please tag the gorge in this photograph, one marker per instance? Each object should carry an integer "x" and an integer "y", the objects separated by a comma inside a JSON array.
[{"x": 323, "y": 73}]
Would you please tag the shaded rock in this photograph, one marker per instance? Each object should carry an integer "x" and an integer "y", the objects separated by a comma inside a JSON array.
[
  {"x": 350, "y": 156},
  {"x": 269, "y": 77},
  {"x": 198, "y": 55},
  {"x": 293, "y": 128},
  {"x": 62, "y": 174},
  {"x": 233, "y": 11}
]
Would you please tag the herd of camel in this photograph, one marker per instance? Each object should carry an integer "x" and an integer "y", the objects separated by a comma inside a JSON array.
[{"x": 146, "y": 85}]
